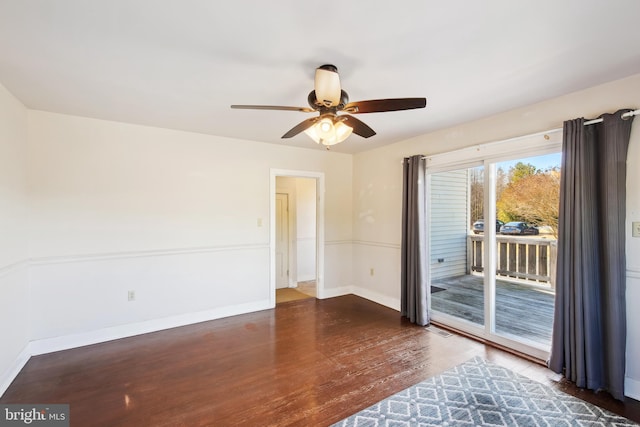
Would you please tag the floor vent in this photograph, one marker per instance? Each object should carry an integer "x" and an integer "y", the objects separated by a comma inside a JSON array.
[{"x": 438, "y": 331}]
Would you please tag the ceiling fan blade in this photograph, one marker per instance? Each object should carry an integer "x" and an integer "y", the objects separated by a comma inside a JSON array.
[
  {"x": 273, "y": 107},
  {"x": 301, "y": 127},
  {"x": 381, "y": 105},
  {"x": 359, "y": 127}
]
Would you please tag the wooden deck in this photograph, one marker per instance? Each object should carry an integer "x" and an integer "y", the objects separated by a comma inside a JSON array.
[{"x": 522, "y": 311}]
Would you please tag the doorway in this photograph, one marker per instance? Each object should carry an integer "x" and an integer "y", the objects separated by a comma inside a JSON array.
[{"x": 296, "y": 235}]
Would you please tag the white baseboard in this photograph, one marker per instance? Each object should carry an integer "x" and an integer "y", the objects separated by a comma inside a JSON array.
[
  {"x": 306, "y": 277},
  {"x": 335, "y": 292},
  {"x": 374, "y": 296},
  {"x": 377, "y": 297},
  {"x": 10, "y": 374},
  {"x": 66, "y": 342},
  {"x": 632, "y": 388}
]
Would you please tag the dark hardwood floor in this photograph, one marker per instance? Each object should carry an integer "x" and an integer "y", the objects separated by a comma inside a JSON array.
[{"x": 308, "y": 362}]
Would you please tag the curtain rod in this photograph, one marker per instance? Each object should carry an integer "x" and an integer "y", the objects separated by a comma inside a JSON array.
[{"x": 624, "y": 116}]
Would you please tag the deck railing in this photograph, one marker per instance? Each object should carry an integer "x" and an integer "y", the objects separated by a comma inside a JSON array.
[{"x": 528, "y": 258}]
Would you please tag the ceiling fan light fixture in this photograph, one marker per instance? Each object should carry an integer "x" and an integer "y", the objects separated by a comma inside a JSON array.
[
  {"x": 342, "y": 131},
  {"x": 327, "y": 86},
  {"x": 325, "y": 127},
  {"x": 329, "y": 131}
]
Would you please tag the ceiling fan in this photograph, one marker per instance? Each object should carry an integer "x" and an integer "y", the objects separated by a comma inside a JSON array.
[{"x": 328, "y": 99}]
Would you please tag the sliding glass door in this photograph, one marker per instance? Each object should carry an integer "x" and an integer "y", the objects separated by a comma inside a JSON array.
[
  {"x": 492, "y": 245},
  {"x": 456, "y": 272}
]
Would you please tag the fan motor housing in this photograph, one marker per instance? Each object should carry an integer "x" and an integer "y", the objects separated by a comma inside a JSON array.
[{"x": 317, "y": 105}]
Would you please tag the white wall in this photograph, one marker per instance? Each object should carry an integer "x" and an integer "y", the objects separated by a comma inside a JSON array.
[
  {"x": 171, "y": 215},
  {"x": 377, "y": 200},
  {"x": 14, "y": 295},
  {"x": 306, "y": 228},
  {"x": 377, "y": 192}
]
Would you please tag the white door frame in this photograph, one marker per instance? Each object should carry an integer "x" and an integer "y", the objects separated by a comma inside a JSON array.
[{"x": 319, "y": 177}]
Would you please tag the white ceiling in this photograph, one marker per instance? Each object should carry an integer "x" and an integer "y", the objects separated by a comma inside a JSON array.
[{"x": 180, "y": 64}]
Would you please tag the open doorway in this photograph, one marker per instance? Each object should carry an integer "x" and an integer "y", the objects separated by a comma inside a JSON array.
[
  {"x": 296, "y": 235},
  {"x": 295, "y": 238}
]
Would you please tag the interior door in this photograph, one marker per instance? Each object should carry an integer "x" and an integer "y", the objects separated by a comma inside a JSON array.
[{"x": 282, "y": 240}]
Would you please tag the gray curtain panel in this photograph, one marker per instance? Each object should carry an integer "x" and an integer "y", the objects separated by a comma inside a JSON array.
[
  {"x": 589, "y": 331},
  {"x": 415, "y": 298}
]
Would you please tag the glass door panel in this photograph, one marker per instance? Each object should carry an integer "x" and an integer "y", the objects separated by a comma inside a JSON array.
[
  {"x": 456, "y": 244},
  {"x": 526, "y": 207}
]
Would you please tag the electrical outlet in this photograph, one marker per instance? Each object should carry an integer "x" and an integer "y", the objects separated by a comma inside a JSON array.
[
  {"x": 131, "y": 295},
  {"x": 371, "y": 271},
  {"x": 259, "y": 222},
  {"x": 635, "y": 229}
]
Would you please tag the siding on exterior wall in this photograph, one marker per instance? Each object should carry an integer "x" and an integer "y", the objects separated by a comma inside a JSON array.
[{"x": 449, "y": 223}]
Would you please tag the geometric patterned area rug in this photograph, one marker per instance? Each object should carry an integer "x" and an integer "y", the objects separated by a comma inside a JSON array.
[{"x": 479, "y": 393}]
